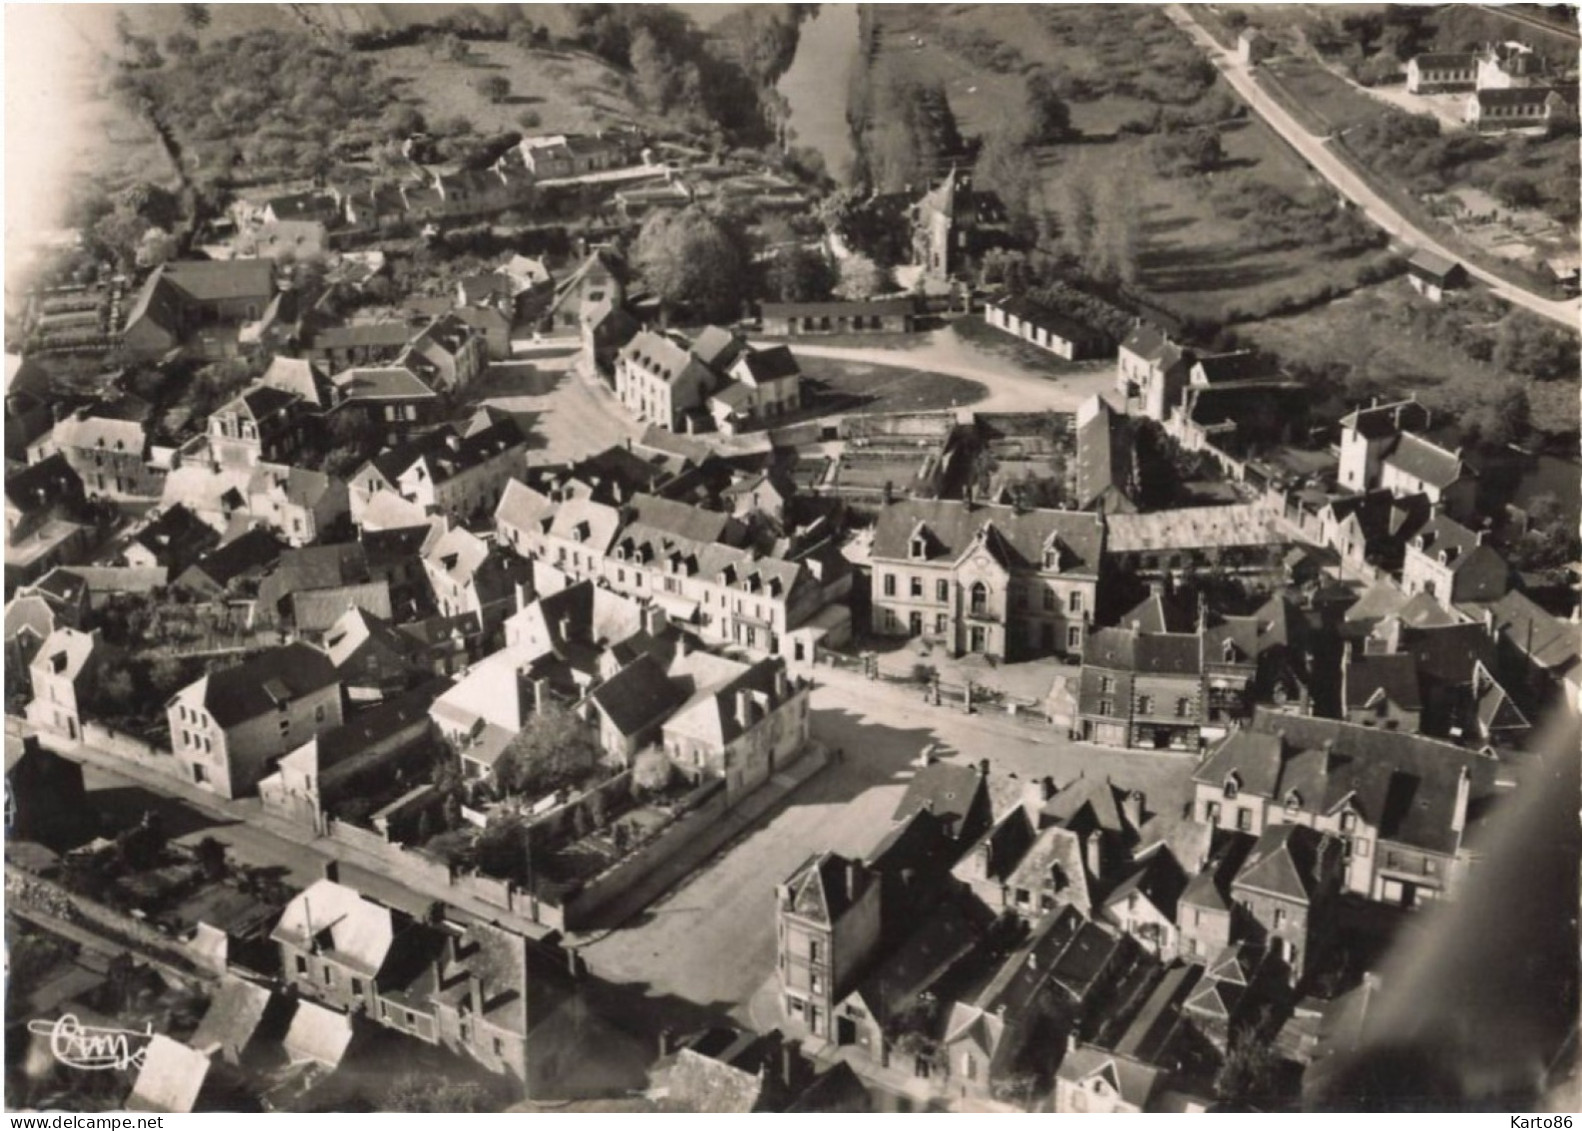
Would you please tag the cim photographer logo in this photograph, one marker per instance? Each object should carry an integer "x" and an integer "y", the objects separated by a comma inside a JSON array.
[{"x": 92, "y": 1048}]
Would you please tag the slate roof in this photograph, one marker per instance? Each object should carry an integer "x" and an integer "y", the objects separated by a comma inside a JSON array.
[
  {"x": 1287, "y": 861},
  {"x": 1210, "y": 888},
  {"x": 446, "y": 455},
  {"x": 1132, "y": 1080},
  {"x": 1235, "y": 524},
  {"x": 1162, "y": 653},
  {"x": 772, "y": 364},
  {"x": 703, "y": 1084},
  {"x": 1241, "y": 365},
  {"x": 1018, "y": 539},
  {"x": 893, "y": 983},
  {"x": 318, "y": 1034},
  {"x": 1055, "y": 863},
  {"x": 171, "y": 1077},
  {"x": 355, "y": 930},
  {"x": 946, "y": 789},
  {"x": 235, "y": 1014},
  {"x": 1424, "y": 460},
  {"x": 1154, "y": 346},
  {"x": 320, "y": 567},
  {"x": 221, "y": 280},
  {"x": 660, "y": 356},
  {"x": 177, "y": 537},
  {"x": 1375, "y": 422},
  {"x": 1430, "y": 265},
  {"x": 369, "y": 727},
  {"x": 255, "y": 686},
  {"x": 251, "y": 552},
  {"x": 91, "y": 433},
  {"x": 1445, "y": 60},
  {"x": 1158, "y": 879},
  {"x": 819, "y": 891},
  {"x": 1393, "y": 675},
  {"x": 639, "y": 695},
  {"x": 709, "y": 714},
  {"x": 1104, "y": 455},
  {"x": 1090, "y": 803},
  {"x": 1403, "y": 784},
  {"x": 1551, "y": 643},
  {"x": 1531, "y": 97},
  {"x": 1057, "y": 324},
  {"x": 717, "y": 348}
]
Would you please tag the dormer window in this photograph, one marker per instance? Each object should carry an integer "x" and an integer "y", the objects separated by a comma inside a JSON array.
[
  {"x": 1228, "y": 648},
  {"x": 1348, "y": 822},
  {"x": 1232, "y": 786},
  {"x": 1293, "y": 801},
  {"x": 919, "y": 549}
]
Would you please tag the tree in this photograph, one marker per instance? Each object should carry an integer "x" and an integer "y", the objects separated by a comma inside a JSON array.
[
  {"x": 449, "y": 46},
  {"x": 553, "y": 749},
  {"x": 692, "y": 261},
  {"x": 1080, "y": 219},
  {"x": 861, "y": 278},
  {"x": 652, "y": 771},
  {"x": 210, "y": 855},
  {"x": 1526, "y": 343},
  {"x": 196, "y": 15},
  {"x": 180, "y": 45},
  {"x": 1048, "y": 117},
  {"x": 800, "y": 274},
  {"x": 424, "y": 1093},
  {"x": 1248, "y": 1074},
  {"x": 653, "y": 70},
  {"x": 1504, "y": 416},
  {"x": 1183, "y": 154},
  {"x": 157, "y": 246},
  {"x": 496, "y": 88},
  {"x": 1005, "y": 167}
]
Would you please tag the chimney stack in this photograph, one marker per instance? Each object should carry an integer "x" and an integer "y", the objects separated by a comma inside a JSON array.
[
  {"x": 791, "y": 1065},
  {"x": 1094, "y": 853},
  {"x": 475, "y": 993},
  {"x": 853, "y": 876},
  {"x": 744, "y": 708},
  {"x": 1133, "y": 808},
  {"x": 540, "y": 696},
  {"x": 782, "y": 684},
  {"x": 332, "y": 871},
  {"x": 983, "y": 768},
  {"x": 667, "y": 1042},
  {"x": 1489, "y": 624},
  {"x": 1458, "y": 816}
]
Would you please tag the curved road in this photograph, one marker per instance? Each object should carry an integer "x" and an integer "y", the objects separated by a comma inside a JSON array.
[{"x": 1335, "y": 171}]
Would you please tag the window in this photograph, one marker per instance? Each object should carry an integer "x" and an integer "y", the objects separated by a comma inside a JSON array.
[
  {"x": 1211, "y": 812},
  {"x": 942, "y": 591},
  {"x": 813, "y": 950},
  {"x": 1183, "y": 708},
  {"x": 1244, "y": 820},
  {"x": 1348, "y": 822},
  {"x": 357, "y": 987},
  {"x": 1361, "y": 849},
  {"x": 318, "y": 713},
  {"x": 302, "y": 964},
  {"x": 1106, "y": 708},
  {"x": 1232, "y": 786},
  {"x": 941, "y": 623},
  {"x": 980, "y": 598},
  {"x": 1145, "y": 705},
  {"x": 1106, "y": 684},
  {"x": 1293, "y": 802},
  {"x": 815, "y": 984},
  {"x": 329, "y": 974},
  {"x": 1279, "y": 918},
  {"x": 969, "y": 1066},
  {"x": 916, "y": 587},
  {"x": 889, "y": 585},
  {"x": 1074, "y": 602},
  {"x": 1430, "y": 867},
  {"x": 1074, "y": 637},
  {"x": 499, "y": 1047},
  {"x": 1049, "y": 600}
]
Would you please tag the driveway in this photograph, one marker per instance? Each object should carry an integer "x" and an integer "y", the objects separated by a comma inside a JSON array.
[
  {"x": 1337, "y": 173},
  {"x": 711, "y": 941}
]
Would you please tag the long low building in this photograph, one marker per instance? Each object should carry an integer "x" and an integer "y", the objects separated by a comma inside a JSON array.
[
  {"x": 1047, "y": 329},
  {"x": 791, "y": 319}
]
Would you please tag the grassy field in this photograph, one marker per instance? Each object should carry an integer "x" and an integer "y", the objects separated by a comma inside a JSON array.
[
  {"x": 1115, "y": 61},
  {"x": 1321, "y": 100},
  {"x": 1373, "y": 334},
  {"x": 847, "y": 386},
  {"x": 568, "y": 91}
]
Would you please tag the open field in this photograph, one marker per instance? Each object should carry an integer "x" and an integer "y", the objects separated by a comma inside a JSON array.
[
  {"x": 1117, "y": 67},
  {"x": 854, "y": 386},
  {"x": 1388, "y": 351},
  {"x": 568, "y": 91},
  {"x": 1317, "y": 97}
]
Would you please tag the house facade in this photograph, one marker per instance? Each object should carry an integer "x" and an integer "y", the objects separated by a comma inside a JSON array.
[
  {"x": 743, "y": 730},
  {"x": 827, "y": 930},
  {"x": 658, "y": 380},
  {"x": 64, "y": 674},
  {"x": 1451, "y": 564},
  {"x": 794, "y": 319},
  {"x": 1441, "y": 72},
  {"x": 1047, "y": 329},
  {"x": 986, "y": 580},
  {"x": 109, "y": 455},
  {"x": 1151, "y": 371},
  {"x": 229, "y": 727}
]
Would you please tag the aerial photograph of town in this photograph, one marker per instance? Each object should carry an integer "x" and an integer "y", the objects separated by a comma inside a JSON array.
[{"x": 726, "y": 557}]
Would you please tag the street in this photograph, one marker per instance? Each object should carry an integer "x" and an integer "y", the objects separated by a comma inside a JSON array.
[
  {"x": 563, "y": 415},
  {"x": 1337, "y": 173},
  {"x": 711, "y": 940}
]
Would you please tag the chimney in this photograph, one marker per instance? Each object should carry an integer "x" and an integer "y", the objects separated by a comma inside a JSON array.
[
  {"x": 655, "y": 620},
  {"x": 1132, "y": 806},
  {"x": 573, "y": 963},
  {"x": 983, "y": 768},
  {"x": 853, "y": 878},
  {"x": 744, "y": 708},
  {"x": 475, "y": 993},
  {"x": 1458, "y": 816},
  {"x": 1156, "y": 587},
  {"x": 1489, "y": 624},
  {"x": 1094, "y": 853},
  {"x": 1035, "y": 795},
  {"x": 332, "y": 871},
  {"x": 791, "y": 1065},
  {"x": 563, "y": 626},
  {"x": 782, "y": 684},
  {"x": 540, "y": 695},
  {"x": 667, "y": 1042}
]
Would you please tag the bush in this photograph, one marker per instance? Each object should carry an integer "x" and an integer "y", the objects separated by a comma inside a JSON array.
[{"x": 652, "y": 772}]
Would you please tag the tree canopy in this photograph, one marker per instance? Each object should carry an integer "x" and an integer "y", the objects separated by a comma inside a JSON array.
[
  {"x": 554, "y": 749},
  {"x": 693, "y": 262}
]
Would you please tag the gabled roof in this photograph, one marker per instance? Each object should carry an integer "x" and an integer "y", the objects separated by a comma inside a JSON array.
[
  {"x": 1287, "y": 861},
  {"x": 703, "y": 1084},
  {"x": 1055, "y": 863},
  {"x": 1425, "y": 460},
  {"x": 1159, "y": 880},
  {"x": 261, "y": 683},
  {"x": 1531, "y": 97},
  {"x": 772, "y": 364},
  {"x": 949, "y": 790},
  {"x": 445, "y": 454},
  {"x": 356, "y": 628},
  {"x": 824, "y": 886},
  {"x": 1549, "y": 642},
  {"x": 318, "y": 1034},
  {"x": 1104, "y": 455},
  {"x": 1006, "y": 842},
  {"x": 887, "y": 307},
  {"x": 320, "y": 567},
  {"x": 664, "y": 358},
  {"x": 718, "y": 348},
  {"x": 335, "y": 919},
  {"x": 170, "y": 1079},
  {"x": 236, "y": 1012},
  {"x": 522, "y": 507},
  {"x": 1393, "y": 676},
  {"x": 100, "y": 433},
  {"x": 1191, "y": 528},
  {"x": 251, "y": 552},
  {"x": 1230, "y": 368},
  {"x": 221, "y": 280},
  {"x": 710, "y": 714},
  {"x": 1021, "y": 538},
  {"x": 638, "y": 696},
  {"x": 1057, "y": 324},
  {"x": 1154, "y": 346},
  {"x": 1132, "y": 1080},
  {"x": 177, "y": 537},
  {"x": 1090, "y": 803},
  {"x": 1430, "y": 264},
  {"x": 367, "y": 729},
  {"x": 1403, "y": 784},
  {"x": 66, "y": 652}
]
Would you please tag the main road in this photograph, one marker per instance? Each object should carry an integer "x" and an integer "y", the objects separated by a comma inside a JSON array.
[{"x": 1353, "y": 187}]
